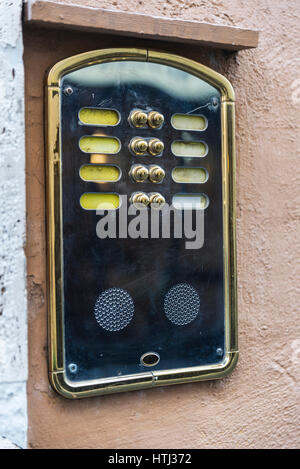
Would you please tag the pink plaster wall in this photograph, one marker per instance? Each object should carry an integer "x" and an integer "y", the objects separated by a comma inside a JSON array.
[{"x": 258, "y": 405}]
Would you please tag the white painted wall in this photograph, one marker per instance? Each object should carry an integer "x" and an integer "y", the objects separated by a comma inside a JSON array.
[{"x": 13, "y": 330}]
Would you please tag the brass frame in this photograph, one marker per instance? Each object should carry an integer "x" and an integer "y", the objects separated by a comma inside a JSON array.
[{"x": 147, "y": 379}]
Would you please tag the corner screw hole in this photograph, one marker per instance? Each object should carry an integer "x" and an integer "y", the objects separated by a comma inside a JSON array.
[
  {"x": 73, "y": 368},
  {"x": 68, "y": 91}
]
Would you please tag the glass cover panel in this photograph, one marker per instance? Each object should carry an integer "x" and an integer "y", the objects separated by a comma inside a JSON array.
[{"x": 128, "y": 294}]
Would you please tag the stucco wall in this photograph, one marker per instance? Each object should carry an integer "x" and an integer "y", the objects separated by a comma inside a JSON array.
[
  {"x": 13, "y": 332},
  {"x": 258, "y": 405}
]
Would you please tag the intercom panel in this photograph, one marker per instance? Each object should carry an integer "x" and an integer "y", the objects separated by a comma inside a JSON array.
[{"x": 141, "y": 222}]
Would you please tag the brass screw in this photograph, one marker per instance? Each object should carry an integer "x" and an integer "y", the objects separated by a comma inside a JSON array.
[
  {"x": 139, "y": 173},
  {"x": 155, "y": 146},
  {"x": 157, "y": 200},
  {"x": 156, "y": 174},
  {"x": 140, "y": 199},
  {"x": 138, "y": 146},
  {"x": 155, "y": 119},
  {"x": 138, "y": 118}
]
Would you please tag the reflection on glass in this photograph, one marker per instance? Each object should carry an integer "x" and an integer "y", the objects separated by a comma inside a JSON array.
[{"x": 185, "y": 86}]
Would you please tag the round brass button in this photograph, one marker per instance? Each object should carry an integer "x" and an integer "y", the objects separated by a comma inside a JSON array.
[
  {"x": 155, "y": 119},
  {"x": 139, "y": 146},
  {"x": 156, "y": 174},
  {"x": 156, "y": 146},
  {"x": 138, "y": 118},
  {"x": 140, "y": 199},
  {"x": 139, "y": 173},
  {"x": 157, "y": 200}
]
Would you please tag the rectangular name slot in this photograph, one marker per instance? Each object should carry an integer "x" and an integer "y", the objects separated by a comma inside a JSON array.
[
  {"x": 188, "y": 122},
  {"x": 96, "y": 144},
  {"x": 99, "y": 201},
  {"x": 190, "y": 201},
  {"x": 189, "y": 149},
  {"x": 100, "y": 173},
  {"x": 189, "y": 175},
  {"x": 101, "y": 117}
]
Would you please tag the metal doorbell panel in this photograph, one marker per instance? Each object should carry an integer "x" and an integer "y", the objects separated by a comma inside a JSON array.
[{"x": 141, "y": 222}]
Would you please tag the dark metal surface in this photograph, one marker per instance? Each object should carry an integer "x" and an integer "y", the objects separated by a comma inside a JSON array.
[{"x": 146, "y": 269}]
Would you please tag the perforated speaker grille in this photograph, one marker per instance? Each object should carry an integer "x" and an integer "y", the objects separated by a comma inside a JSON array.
[
  {"x": 182, "y": 304},
  {"x": 114, "y": 309}
]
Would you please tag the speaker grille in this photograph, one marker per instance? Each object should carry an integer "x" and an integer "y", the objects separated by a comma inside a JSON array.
[
  {"x": 182, "y": 304},
  {"x": 114, "y": 309}
]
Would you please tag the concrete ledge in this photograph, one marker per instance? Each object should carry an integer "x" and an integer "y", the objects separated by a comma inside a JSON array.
[{"x": 44, "y": 13}]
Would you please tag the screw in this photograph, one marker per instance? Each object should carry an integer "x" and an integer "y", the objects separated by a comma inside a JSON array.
[
  {"x": 219, "y": 352},
  {"x": 214, "y": 102},
  {"x": 73, "y": 367},
  {"x": 68, "y": 90}
]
